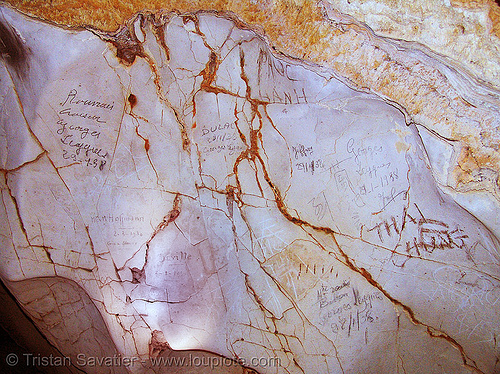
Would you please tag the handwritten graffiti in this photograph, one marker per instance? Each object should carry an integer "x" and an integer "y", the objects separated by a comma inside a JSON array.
[
  {"x": 345, "y": 310},
  {"x": 431, "y": 234}
]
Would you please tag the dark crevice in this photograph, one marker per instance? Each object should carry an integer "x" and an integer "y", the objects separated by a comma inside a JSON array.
[
  {"x": 12, "y": 49},
  {"x": 19, "y": 337}
]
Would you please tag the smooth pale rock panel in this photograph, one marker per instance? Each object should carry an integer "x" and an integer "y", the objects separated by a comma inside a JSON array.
[
  {"x": 66, "y": 316},
  {"x": 205, "y": 194},
  {"x": 453, "y": 93}
]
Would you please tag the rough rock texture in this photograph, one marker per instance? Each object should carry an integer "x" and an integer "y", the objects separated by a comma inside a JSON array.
[
  {"x": 178, "y": 184},
  {"x": 466, "y": 32}
]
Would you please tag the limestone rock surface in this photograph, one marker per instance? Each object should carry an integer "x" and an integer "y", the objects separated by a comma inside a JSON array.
[{"x": 178, "y": 188}]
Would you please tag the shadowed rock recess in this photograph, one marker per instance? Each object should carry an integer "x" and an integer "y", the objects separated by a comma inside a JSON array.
[{"x": 178, "y": 197}]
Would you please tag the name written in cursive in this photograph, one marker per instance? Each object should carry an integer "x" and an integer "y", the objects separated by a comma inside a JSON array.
[{"x": 73, "y": 99}]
